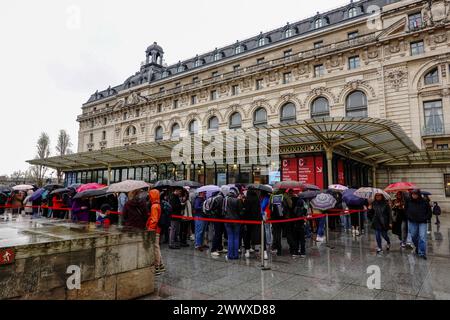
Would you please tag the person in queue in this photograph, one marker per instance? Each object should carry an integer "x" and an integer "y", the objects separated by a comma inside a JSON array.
[
  {"x": 187, "y": 213},
  {"x": 418, "y": 212},
  {"x": 233, "y": 209},
  {"x": 266, "y": 214},
  {"x": 200, "y": 225},
  {"x": 135, "y": 212},
  {"x": 252, "y": 209},
  {"x": 437, "y": 212},
  {"x": 400, "y": 223},
  {"x": 381, "y": 216},
  {"x": 153, "y": 225},
  {"x": 296, "y": 233},
  {"x": 219, "y": 228},
  {"x": 177, "y": 210}
]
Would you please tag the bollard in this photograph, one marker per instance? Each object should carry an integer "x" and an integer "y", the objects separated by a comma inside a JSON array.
[{"x": 262, "y": 247}]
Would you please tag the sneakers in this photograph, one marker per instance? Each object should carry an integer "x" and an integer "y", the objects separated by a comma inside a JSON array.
[
  {"x": 266, "y": 257},
  {"x": 403, "y": 245},
  {"x": 199, "y": 249},
  {"x": 184, "y": 245},
  {"x": 302, "y": 256},
  {"x": 424, "y": 257},
  {"x": 320, "y": 239},
  {"x": 223, "y": 250},
  {"x": 252, "y": 250},
  {"x": 379, "y": 251},
  {"x": 247, "y": 254},
  {"x": 215, "y": 254},
  {"x": 357, "y": 232},
  {"x": 388, "y": 247},
  {"x": 160, "y": 269}
]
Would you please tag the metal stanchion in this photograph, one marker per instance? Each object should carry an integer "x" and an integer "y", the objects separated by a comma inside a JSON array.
[
  {"x": 263, "y": 248},
  {"x": 328, "y": 233}
]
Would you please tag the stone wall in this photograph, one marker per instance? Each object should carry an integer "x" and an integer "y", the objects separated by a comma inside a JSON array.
[{"x": 115, "y": 266}]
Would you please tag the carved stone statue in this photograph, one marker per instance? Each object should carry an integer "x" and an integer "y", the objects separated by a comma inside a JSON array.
[{"x": 426, "y": 15}]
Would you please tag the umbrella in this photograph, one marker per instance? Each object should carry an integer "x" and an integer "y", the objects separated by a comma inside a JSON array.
[
  {"x": 369, "y": 193},
  {"x": 60, "y": 190},
  {"x": 5, "y": 189},
  {"x": 164, "y": 184},
  {"x": 91, "y": 193},
  {"x": 3, "y": 196},
  {"x": 323, "y": 201},
  {"x": 22, "y": 187},
  {"x": 400, "y": 186},
  {"x": 75, "y": 186},
  {"x": 37, "y": 194},
  {"x": 187, "y": 183},
  {"x": 262, "y": 187},
  {"x": 284, "y": 185},
  {"x": 52, "y": 187},
  {"x": 337, "y": 187},
  {"x": 351, "y": 200},
  {"x": 90, "y": 186},
  {"x": 210, "y": 190},
  {"x": 308, "y": 194},
  {"x": 426, "y": 193},
  {"x": 307, "y": 186},
  {"x": 127, "y": 186}
]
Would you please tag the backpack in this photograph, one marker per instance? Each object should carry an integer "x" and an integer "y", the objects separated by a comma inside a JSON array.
[
  {"x": 277, "y": 206},
  {"x": 166, "y": 212},
  {"x": 213, "y": 206}
]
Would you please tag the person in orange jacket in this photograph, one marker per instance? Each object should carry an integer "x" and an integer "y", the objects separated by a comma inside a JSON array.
[{"x": 153, "y": 225}]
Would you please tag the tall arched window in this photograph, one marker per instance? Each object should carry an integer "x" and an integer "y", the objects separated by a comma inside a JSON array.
[
  {"x": 213, "y": 123},
  {"x": 235, "y": 121},
  {"x": 352, "y": 12},
  {"x": 356, "y": 105},
  {"x": 159, "y": 133},
  {"x": 318, "y": 23},
  {"x": 432, "y": 77},
  {"x": 260, "y": 117},
  {"x": 320, "y": 108},
  {"x": 175, "y": 131},
  {"x": 193, "y": 127},
  {"x": 288, "y": 112}
]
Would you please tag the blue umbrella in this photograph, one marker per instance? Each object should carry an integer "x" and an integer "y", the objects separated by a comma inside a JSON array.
[
  {"x": 37, "y": 194},
  {"x": 351, "y": 200}
]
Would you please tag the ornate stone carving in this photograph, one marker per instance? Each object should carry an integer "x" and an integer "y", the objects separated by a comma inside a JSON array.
[
  {"x": 118, "y": 129},
  {"x": 373, "y": 54},
  {"x": 322, "y": 91},
  {"x": 396, "y": 77},
  {"x": 103, "y": 143},
  {"x": 394, "y": 47},
  {"x": 142, "y": 127},
  {"x": 355, "y": 85},
  {"x": 426, "y": 15},
  {"x": 440, "y": 38},
  {"x": 90, "y": 145}
]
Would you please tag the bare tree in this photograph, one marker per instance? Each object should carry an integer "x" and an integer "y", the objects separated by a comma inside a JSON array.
[
  {"x": 43, "y": 151},
  {"x": 62, "y": 148}
]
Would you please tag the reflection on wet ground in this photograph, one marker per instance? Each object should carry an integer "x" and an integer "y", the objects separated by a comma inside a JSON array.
[{"x": 337, "y": 273}]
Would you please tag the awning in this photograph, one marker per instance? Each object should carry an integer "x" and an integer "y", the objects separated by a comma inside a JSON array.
[
  {"x": 373, "y": 141},
  {"x": 422, "y": 158}
]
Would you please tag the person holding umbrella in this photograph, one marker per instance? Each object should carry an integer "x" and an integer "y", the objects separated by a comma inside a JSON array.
[
  {"x": 135, "y": 211},
  {"x": 400, "y": 223},
  {"x": 381, "y": 216}
]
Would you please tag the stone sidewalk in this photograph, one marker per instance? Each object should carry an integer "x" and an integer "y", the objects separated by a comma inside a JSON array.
[{"x": 338, "y": 273}]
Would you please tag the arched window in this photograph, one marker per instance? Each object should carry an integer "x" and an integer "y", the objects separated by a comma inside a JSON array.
[
  {"x": 262, "y": 42},
  {"x": 238, "y": 49},
  {"x": 175, "y": 133},
  {"x": 159, "y": 134},
  {"x": 320, "y": 108},
  {"x": 432, "y": 77},
  {"x": 288, "y": 33},
  {"x": 180, "y": 68},
  {"x": 213, "y": 123},
  {"x": 288, "y": 112},
  {"x": 352, "y": 12},
  {"x": 217, "y": 56},
  {"x": 318, "y": 23},
  {"x": 235, "y": 121},
  {"x": 130, "y": 131},
  {"x": 193, "y": 127},
  {"x": 260, "y": 117},
  {"x": 198, "y": 63},
  {"x": 356, "y": 105}
]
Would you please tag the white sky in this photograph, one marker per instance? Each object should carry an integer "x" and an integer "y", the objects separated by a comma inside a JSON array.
[{"x": 49, "y": 66}]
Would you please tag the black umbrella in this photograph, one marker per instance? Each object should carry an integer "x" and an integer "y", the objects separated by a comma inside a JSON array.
[
  {"x": 5, "y": 189},
  {"x": 426, "y": 193},
  {"x": 307, "y": 186},
  {"x": 187, "y": 183},
  {"x": 164, "y": 184},
  {"x": 3, "y": 196},
  {"x": 61, "y": 190},
  {"x": 262, "y": 187},
  {"x": 51, "y": 187},
  {"x": 91, "y": 193},
  {"x": 75, "y": 186},
  {"x": 311, "y": 194}
]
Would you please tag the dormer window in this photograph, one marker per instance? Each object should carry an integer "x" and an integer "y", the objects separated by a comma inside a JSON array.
[
  {"x": 217, "y": 56},
  {"x": 180, "y": 68},
  {"x": 262, "y": 42},
  {"x": 238, "y": 50},
  {"x": 318, "y": 23},
  {"x": 289, "y": 33},
  {"x": 352, "y": 12},
  {"x": 198, "y": 63},
  {"x": 165, "y": 74}
]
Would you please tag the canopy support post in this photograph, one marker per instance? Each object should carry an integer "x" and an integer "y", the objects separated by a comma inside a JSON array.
[
  {"x": 329, "y": 156},
  {"x": 374, "y": 176},
  {"x": 109, "y": 176}
]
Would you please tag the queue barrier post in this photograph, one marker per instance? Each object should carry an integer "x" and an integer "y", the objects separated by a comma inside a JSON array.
[{"x": 262, "y": 247}]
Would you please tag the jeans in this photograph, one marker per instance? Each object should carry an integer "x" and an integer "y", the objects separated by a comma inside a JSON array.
[
  {"x": 200, "y": 227},
  {"x": 346, "y": 222},
  {"x": 174, "y": 232},
  {"x": 233, "y": 240},
  {"x": 268, "y": 234},
  {"x": 321, "y": 227},
  {"x": 379, "y": 234},
  {"x": 217, "y": 243},
  {"x": 404, "y": 232},
  {"x": 418, "y": 233},
  {"x": 277, "y": 230}
]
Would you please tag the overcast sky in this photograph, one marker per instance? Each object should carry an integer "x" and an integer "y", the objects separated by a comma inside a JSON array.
[{"x": 55, "y": 53}]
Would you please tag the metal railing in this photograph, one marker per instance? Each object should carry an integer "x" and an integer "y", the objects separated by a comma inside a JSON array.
[{"x": 433, "y": 131}]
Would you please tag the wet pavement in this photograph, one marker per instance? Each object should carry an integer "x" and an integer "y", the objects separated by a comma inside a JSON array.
[{"x": 338, "y": 273}]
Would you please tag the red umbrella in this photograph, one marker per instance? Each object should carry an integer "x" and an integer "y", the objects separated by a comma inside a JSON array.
[
  {"x": 90, "y": 186},
  {"x": 400, "y": 186}
]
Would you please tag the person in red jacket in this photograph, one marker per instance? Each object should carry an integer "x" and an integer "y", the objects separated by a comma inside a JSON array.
[{"x": 153, "y": 225}]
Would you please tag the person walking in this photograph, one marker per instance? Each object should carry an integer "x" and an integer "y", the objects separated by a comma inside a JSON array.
[
  {"x": 233, "y": 209},
  {"x": 381, "y": 216},
  {"x": 400, "y": 223},
  {"x": 418, "y": 213},
  {"x": 153, "y": 225},
  {"x": 177, "y": 210},
  {"x": 252, "y": 209},
  {"x": 428, "y": 201},
  {"x": 437, "y": 212}
]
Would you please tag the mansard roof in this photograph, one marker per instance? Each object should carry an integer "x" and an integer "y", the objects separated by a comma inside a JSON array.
[{"x": 148, "y": 73}]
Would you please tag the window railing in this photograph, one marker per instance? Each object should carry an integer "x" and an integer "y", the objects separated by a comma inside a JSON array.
[{"x": 432, "y": 131}]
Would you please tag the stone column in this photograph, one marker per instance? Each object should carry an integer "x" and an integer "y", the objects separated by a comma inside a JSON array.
[{"x": 329, "y": 155}]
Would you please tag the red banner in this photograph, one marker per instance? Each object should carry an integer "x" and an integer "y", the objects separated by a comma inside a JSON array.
[
  {"x": 318, "y": 172},
  {"x": 341, "y": 175},
  {"x": 289, "y": 170},
  {"x": 306, "y": 170}
]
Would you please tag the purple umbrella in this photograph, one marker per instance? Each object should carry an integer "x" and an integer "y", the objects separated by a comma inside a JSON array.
[
  {"x": 37, "y": 194},
  {"x": 351, "y": 200}
]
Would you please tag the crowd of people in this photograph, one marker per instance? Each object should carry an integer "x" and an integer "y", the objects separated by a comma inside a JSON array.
[{"x": 234, "y": 216}]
